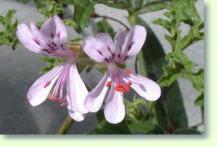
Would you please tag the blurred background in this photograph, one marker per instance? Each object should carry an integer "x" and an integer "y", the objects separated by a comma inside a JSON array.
[{"x": 20, "y": 68}]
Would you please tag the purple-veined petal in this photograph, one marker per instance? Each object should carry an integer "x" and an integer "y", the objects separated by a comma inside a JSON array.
[
  {"x": 120, "y": 41},
  {"x": 114, "y": 110},
  {"x": 95, "y": 98},
  {"x": 38, "y": 37},
  {"x": 135, "y": 40},
  {"x": 73, "y": 113},
  {"x": 26, "y": 37},
  {"x": 55, "y": 31},
  {"x": 61, "y": 31},
  {"x": 107, "y": 40},
  {"x": 77, "y": 89},
  {"x": 145, "y": 87},
  {"x": 100, "y": 48},
  {"x": 40, "y": 89},
  {"x": 48, "y": 29}
]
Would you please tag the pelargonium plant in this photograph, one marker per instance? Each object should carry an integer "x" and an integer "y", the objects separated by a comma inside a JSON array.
[{"x": 141, "y": 99}]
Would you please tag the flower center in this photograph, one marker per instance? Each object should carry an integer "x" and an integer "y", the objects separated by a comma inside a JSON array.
[{"x": 118, "y": 78}]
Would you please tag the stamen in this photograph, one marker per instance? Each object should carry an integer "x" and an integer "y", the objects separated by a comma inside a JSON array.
[
  {"x": 52, "y": 98},
  {"x": 125, "y": 88},
  {"x": 47, "y": 84},
  {"x": 109, "y": 84}
]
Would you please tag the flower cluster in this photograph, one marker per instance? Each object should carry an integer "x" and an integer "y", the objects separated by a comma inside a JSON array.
[{"x": 63, "y": 83}]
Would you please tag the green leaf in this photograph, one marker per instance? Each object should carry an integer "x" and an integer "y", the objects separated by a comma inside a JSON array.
[
  {"x": 140, "y": 118},
  {"x": 175, "y": 17},
  {"x": 50, "y": 7},
  {"x": 8, "y": 34},
  {"x": 177, "y": 63},
  {"x": 199, "y": 100},
  {"x": 197, "y": 79},
  {"x": 82, "y": 14},
  {"x": 70, "y": 22}
]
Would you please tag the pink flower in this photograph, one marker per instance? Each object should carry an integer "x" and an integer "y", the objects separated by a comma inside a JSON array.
[
  {"x": 63, "y": 83},
  {"x": 103, "y": 49}
]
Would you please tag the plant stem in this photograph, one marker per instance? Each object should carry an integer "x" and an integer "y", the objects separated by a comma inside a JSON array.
[
  {"x": 94, "y": 15},
  {"x": 65, "y": 126}
]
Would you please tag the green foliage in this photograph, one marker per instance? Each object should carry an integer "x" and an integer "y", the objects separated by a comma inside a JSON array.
[
  {"x": 82, "y": 14},
  {"x": 50, "y": 63},
  {"x": 178, "y": 64},
  {"x": 50, "y": 7},
  {"x": 140, "y": 117},
  {"x": 8, "y": 35},
  {"x": 169, "y": 109}
]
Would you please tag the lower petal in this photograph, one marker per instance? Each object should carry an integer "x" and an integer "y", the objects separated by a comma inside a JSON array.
[
  {"x": 95, "y": 98},
  {"x": 114, "y": 110},
  {"x": 77, "y": 89},
  {"x": 39, "y": 91},
  {"x": 73, "y": 113},
  {"x": 145, "y": 87}
]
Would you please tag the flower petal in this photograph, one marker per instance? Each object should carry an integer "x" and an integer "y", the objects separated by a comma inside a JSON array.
[
  {"x": 95, "y": 98},
  {"x": 38, "y": 37},
  {"x": 145, "y": 87},
  {"x": 39, "y": 91},
  {"x": 26, "y": 37},
  {"x": 114, "y": 110},
  {"x": 119, "y": 41},
  {"x": 48, "y": 29},
  {"x": 77, "y": 89},
  {"x": 107, "y": 40},
  {"x": 100, "y": 48},
  {"x": 73, "y": 113},
  {"x": 55, "y": 30},
  {"x": 61, "y": 31},
  {"x": 136, "y": 39}
]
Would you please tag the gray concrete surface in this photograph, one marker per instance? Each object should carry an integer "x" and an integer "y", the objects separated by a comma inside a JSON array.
[{"x": 20, "y": 68}]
